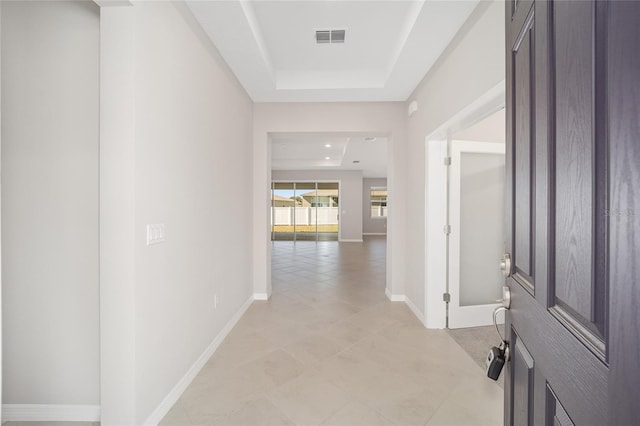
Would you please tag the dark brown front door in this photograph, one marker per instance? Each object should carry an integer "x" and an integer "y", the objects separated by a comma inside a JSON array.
[{"x": 573, "y": 212}]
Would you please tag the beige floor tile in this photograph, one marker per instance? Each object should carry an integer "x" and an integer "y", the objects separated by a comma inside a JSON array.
[
  {"x": 330, "y": 348},
  {"x": 365, "y": 379},
  {"x": 309, "y": 400},
  {"x": 285, "y": 333},
  {"x": 347, "y": 333},
  {"x": 311, "y": 318},
  {"x": 314, "y": 349},
  {"x": 357, "y": 414},
  {"x": 431, "y": 368},
  {"x": 413, "y": 409},
  {"x": 215, "y": 392},
  {"x": 372, "y": 318},
  {"x": 240, "y": 347},
  {"x": 257, "y": 412},
  {"x": 272, "y": 370},
  {"x": 177, "y": 416},
  {"x": 474, "y": 401},
  {"x": 337, "y": 309}
]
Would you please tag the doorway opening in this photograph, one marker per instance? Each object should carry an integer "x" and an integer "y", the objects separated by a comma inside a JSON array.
[
  {"x": 305, "y": 211},
  {"x": 471, "y": 118}
]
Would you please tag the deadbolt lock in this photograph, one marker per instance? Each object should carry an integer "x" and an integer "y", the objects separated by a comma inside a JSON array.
[{"x": 505, "y": 264}]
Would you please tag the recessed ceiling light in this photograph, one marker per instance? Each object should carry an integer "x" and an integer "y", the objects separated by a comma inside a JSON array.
[
  {"x": 370, "y": 139},
  {"x": 328, "y": 145},
  {"x": 327, "y": 158}
]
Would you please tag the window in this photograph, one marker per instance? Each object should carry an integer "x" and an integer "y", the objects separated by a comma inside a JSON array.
[{"x": 378, "y": 197}]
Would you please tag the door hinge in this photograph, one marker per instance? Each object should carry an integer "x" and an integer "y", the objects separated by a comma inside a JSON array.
[
  {"x": 446, "y": 297},
  {"x": 447, "y": 161},
  {"x": 447, "y": 229}
]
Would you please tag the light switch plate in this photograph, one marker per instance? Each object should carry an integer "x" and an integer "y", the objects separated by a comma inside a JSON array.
[{"x": 155, "y": 233}]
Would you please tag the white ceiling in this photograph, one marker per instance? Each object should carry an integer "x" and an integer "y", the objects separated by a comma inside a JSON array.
[
  {"x": 309, "y": 151},
  {"x": 389, "y": 45}
]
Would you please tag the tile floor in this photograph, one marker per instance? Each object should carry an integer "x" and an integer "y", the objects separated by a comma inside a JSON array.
[{"x": 330, "y": 349}]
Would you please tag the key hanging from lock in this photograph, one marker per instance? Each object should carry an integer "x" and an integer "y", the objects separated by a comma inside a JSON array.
[{"x": 499, "y": 355}]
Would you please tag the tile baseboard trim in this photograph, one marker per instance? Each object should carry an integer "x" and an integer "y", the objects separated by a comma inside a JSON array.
[
  {"x": 374, "y": 233},
  {"x": 260, "y": 296},
  {"x": 350, "y": 241},
  {"x": 50, "y": 412},
  {"x": 177, "y": 391}
]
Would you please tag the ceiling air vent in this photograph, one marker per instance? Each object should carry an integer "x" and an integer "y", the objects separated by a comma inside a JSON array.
[
  {"x": 330, "y": 36},
  {"x": 337, "y": 36}
]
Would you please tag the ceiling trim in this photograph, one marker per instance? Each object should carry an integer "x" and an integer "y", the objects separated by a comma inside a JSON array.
[
  {"x": 392, "y": 46},
  {"x": 410, "y": 22},
  {"x": 252, "y": 20}
]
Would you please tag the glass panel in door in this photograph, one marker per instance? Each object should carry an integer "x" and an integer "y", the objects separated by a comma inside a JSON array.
[
  {"x": 305, "y": 218},
  {"x": 476, "y": 209},
  {"x": 328, "y": 211},
  {"x": 282, "y": 211}
]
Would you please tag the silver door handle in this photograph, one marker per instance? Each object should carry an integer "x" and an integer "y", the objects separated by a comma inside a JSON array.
[
  {"x": 505, "y": 264},
  {"x": 506, "y": 297}
]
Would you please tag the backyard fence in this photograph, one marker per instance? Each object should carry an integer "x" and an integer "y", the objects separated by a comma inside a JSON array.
[{"x": 304, "y": 215}]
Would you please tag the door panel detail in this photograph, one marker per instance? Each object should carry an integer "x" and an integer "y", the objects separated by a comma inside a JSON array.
[
  {"x": 523, "y": 87},
  {"x": 579, "y": 289},
  {"x": 556, "y": 416},
  {"x": 579, "y": 232},
  {"x": 574, "y": 157},
  {"x": 523, "y": 383}
]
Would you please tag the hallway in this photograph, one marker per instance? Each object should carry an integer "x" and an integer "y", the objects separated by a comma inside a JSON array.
[{"x": 330, "y": 348}]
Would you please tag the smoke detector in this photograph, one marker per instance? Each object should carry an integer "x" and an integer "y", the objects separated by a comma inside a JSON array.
[{"x": 330, "y": 36}]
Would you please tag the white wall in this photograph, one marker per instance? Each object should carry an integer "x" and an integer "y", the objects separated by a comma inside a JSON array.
[
  {"x": 350, "y": 195},
  {"x": 372, "y": 225},
  {"x": 50, "y": 53},
  {"x": 382, "y": 118},
  {"x": 471, "y": 65},
  {"x": 188, "y": 169},
  {"x": 490, "y": 129}
]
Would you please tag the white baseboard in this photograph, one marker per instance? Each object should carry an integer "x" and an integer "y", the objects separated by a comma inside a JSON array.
[
  {"x": 351, "y": 241},
  {"x": 395, "y": 297},
  {"x": 409, "y": 303},
  {"x": 374, "y": 233},
  {"x": 175, "y": 393},
  {"x": 45, "y": 412},
  {"x": 415, "y": 310},
  {"x": 260, "y": 296}
]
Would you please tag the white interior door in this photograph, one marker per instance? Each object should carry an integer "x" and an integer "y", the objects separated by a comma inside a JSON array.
[{"x": 476, "y": 242}]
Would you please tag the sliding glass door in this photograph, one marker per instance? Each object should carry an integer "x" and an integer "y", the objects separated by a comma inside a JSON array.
[
  {"x": 327, "y": 211},
  {"x": 282, "y": 205},
  {"x": 304, "y": 211},
  {"x": 305, "y": 223}
]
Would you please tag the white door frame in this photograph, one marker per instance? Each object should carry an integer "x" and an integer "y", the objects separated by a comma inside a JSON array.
[
  {"x": 472, "y": 315},
  {"x": 435, "y": 239}
]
